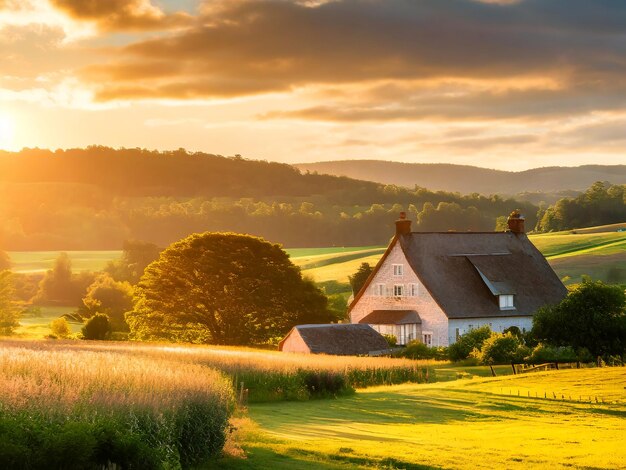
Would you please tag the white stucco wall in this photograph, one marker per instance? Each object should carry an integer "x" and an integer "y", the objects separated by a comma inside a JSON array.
[
  {"x": 496, "y": 324},
  {"x": 434, "y": 321}
]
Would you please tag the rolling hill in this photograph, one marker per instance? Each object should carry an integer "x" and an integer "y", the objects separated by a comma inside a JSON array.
[{"x": 471, "y": 179}]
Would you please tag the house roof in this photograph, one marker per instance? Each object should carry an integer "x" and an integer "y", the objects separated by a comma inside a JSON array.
[
  {"x": 340, "y": 339},
  {"x": 391, "y": 317},
  {"x": 466, "y": 271}
]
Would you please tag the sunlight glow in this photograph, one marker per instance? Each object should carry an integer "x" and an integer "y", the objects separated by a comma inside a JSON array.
[{"x": 7, "y": 132}]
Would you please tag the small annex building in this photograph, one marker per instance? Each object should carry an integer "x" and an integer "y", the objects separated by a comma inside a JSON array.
[
  {"x": 343, "y": 339},
  {"x": 435, "y": 286}
]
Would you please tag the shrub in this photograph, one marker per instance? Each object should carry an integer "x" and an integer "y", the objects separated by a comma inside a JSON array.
[
  {"x": 502, "y": 349},
  {"x": 60, "y": 328},
  {"x": 392, "y": 341},
  {"x": 471, "y": 340},
  {"x": 418, "y": 350},
  {"x": 97, "y": 327}
]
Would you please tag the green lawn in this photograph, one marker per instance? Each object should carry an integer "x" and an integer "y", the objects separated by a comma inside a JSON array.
[{"x": 478, "y": 423}]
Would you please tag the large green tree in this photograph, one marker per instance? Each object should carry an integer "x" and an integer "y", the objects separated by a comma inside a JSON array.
[
  {"x": 593, "y": 316},
  {"x": 223, "y": 288}
]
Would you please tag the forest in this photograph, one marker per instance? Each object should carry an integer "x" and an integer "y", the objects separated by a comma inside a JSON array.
[{"x": 97, "y": 197}]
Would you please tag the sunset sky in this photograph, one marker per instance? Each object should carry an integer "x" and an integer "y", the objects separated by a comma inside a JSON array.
[{"x": 500, "y": 84}]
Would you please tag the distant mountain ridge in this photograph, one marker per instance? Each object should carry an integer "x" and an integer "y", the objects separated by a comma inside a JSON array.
[{"x": 471, "y": 179}]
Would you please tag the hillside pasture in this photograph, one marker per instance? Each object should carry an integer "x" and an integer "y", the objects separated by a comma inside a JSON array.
[{"x": 478, "y": 423}]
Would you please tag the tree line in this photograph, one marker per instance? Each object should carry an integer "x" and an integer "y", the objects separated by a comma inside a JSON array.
[{"x": 601, "y": 204}]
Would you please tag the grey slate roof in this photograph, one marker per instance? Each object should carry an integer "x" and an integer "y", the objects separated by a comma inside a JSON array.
[
  {"x": 344, "y": 339},
  {"x": 391, "y": 317},
  {"x": 466, "y": 271}
]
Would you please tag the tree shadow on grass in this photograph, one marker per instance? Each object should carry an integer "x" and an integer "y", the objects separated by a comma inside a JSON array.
[{"x": 343, "y": 417}]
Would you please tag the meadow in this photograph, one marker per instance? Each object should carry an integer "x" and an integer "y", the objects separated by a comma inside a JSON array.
[
  {"x": 63, "y": 407},
  {"x": 266, "y": 376},
  {"x": 476, "y": 423},
  {"x": 174, "y": 406}
]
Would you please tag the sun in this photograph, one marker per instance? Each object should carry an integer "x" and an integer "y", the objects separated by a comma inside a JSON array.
[{"x": 7, "y": 131}]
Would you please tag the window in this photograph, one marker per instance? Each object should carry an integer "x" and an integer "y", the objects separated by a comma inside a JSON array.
[
  {"x": 428, "y": 339},
  {"x": 506, "y": 302},
  {"x": 398, "y": 269},
  {"x": 413, "y": 290},
  {"x": 379, "y": 290},
  {"x": 398, "y": 290}
]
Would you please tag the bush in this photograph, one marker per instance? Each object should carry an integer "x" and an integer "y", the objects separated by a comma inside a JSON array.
[
  {"x": 502, "y": 349},
  {"x": 97, "y": 327},
  {"x": 418, "y": 350},
  {"x": 471, "y": 340},
  {"x": 60, "y": 328},
  {"x": 392, "y": 341}
]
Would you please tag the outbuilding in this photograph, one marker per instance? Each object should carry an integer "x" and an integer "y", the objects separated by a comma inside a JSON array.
[{"x": 336, "y": 339}]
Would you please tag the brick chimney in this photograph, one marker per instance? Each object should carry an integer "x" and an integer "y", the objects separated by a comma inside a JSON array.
[
  {"x": 403, "y": 225},
  {"x": 516, "y": 222}
]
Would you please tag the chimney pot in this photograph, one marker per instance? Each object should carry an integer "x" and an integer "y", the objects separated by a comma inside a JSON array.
[
  {"x": 516, "y": 222},
  {"x": 403, "y": 225}
]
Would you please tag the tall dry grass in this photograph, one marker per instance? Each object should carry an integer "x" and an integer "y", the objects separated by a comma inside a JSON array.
[
  {"x": 159, "y": 412},
  {"x": 271, "y": 375}
]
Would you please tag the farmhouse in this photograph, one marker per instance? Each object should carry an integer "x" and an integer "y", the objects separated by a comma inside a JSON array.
[
  {"x": 434, "y": 287},
  {"x": 342, "y": 339}
]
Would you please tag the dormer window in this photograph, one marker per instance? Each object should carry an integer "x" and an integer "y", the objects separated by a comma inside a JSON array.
[
  {"x": 506, "y": 302},
  {"x": 398, "y": 269}
]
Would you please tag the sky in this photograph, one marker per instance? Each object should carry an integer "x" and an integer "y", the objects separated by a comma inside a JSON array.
[{"x": 507, "y": 84}]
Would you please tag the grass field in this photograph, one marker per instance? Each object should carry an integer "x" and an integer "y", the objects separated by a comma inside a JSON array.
[{"x": 479, "y": 423}]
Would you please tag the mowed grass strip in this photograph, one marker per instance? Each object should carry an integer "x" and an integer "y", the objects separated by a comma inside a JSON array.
[{"x": 461, "y": 424}]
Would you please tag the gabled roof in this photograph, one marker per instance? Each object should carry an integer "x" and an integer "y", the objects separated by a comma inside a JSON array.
[
  {"x": 344, "y": 339},
  {"x": 392, "y": 317},
  {"x": 466, "y": 271}
]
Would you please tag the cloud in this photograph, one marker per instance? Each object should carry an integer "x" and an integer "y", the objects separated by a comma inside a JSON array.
[
  {"x": 115, "y": 15},
  {"x": 247, "y": 47}
]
